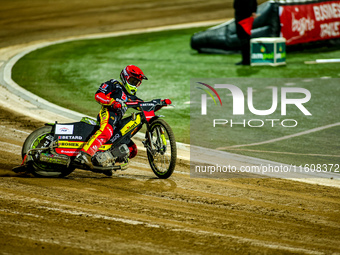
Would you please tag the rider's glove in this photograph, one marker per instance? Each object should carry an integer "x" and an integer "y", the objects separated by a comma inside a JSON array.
[
  {"x": 167, "y": 101},
  {"x": 119, "y": 104},
  {"x": 116, "y": 105}
]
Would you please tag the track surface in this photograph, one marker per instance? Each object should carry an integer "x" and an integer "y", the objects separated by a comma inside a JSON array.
[{"x": 132, "y": 212}]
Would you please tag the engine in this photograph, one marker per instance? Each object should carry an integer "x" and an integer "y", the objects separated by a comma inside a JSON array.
[{"x": 108, "y": 158}]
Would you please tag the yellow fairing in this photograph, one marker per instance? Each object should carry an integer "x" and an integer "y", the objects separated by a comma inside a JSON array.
[
  {"x": 105, "y": 147},
  {"x": 131, "y": 125},
  {"x": 70, "y": 145},
  {"x": 79, "y": 145}
]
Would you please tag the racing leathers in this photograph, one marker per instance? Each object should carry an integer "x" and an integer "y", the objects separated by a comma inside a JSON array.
[{"x": 112, "y": 96}]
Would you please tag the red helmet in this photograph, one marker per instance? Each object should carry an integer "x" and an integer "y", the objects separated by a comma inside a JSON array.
[{"x": 132, "y": 77}]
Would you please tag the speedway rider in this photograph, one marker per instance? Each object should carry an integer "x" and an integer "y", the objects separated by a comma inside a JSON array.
[{"x": 112, "y": 95}]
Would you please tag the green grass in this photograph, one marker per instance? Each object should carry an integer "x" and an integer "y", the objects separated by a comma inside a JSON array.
[{"x": 69, "y": 74}]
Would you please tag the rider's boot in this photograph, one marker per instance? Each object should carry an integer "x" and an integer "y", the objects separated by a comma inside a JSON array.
[
  {"x": 107, "y": 172},
  {"x": 84, "y": 158}
]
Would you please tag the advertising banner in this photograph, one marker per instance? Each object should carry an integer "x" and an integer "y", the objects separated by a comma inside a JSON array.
[
  {"x": 303, "y": 23},
  {"x": 268, "y": 51}
]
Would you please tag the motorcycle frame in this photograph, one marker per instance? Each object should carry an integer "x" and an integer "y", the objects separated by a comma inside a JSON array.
[{"x": 144, "y": 107}]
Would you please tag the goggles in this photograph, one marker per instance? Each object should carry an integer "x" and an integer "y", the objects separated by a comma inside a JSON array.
[{"x": 134, "y": 81}]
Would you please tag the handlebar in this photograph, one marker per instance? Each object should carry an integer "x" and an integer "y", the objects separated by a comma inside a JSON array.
[{"x": 152, "y": 103}]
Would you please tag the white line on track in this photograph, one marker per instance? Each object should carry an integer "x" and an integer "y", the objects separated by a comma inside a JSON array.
[
  {"x": 290, "y": 153},
  {"x": 20, "y": 213},
  {"x": 99, "y": 216},
  {"x": 284, "y": 137}
]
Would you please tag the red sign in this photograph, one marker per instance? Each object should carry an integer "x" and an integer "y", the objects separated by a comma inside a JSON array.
[{"x": 310, "y": 22}]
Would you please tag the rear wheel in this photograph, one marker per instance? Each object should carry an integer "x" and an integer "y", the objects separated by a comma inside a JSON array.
[
  {"x": 163, "y": 152},
  {"x": 42, "y": 138}
]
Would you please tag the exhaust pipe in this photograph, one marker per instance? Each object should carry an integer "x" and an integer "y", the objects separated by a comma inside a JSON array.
[{"x": 59, "y": 159}]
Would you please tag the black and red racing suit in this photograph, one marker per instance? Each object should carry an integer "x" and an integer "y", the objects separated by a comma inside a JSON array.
[{"x": 107, "y": 94}]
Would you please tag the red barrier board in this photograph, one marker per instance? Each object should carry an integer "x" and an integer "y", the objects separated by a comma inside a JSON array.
[{"x": 302, "y": 23}]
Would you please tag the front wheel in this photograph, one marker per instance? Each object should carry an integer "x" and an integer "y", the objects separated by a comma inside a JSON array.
[
  {"x": 162, "y": 151},
  {"x": 42, "y": 138}
]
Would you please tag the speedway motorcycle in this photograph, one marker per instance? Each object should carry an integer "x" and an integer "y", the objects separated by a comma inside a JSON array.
[{"x": 50, "y": 150}]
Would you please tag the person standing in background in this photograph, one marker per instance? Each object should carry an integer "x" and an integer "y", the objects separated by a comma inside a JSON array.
[{"x": 244, "y": 9}]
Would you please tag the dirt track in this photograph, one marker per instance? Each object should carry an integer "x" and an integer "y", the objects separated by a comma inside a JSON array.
[{"x": 132, "y": 212}]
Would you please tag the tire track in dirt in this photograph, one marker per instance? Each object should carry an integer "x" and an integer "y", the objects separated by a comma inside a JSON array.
[{"x": 134, "y": 213}]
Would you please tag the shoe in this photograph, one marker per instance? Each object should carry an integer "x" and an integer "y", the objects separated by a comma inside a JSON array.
[
  {"x": 107, "y": 172},
  {"x": 84, "y": 159}
]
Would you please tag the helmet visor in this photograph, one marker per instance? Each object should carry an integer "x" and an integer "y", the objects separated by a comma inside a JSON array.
[{"x": 134, "y": 81}]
